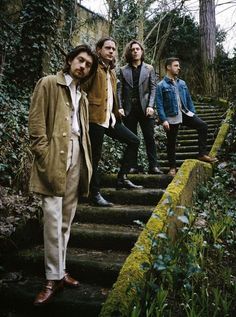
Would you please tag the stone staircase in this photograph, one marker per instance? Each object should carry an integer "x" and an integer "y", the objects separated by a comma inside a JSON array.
[{"x": 101, "y": 239}]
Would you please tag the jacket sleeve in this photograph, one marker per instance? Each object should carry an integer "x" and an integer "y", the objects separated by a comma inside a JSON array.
[
  {"x": 120, "y": 89},
  {"x": 189, "y": 101},
  {"x": 160, "y": 103},
  {"x": 38, "y": 118},
  {"x": 152, "y": 87}
]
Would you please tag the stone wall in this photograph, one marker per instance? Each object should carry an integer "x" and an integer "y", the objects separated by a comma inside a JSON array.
[{"x": 89, "y": 28}]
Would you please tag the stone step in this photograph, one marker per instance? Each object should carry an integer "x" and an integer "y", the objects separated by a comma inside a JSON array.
[
  {"x": 184, "y": 130},
  {"x": 212, "y": 121},
  {"x": 181, "y": 156},
  {"x": 145, "y": 196},
  {"x": 117, "y": 214},
  {"x": 209, "y": 108},
  {"x": 87, "y": 265},
  {"x": 102, "y": 236},
  {"x": 189, "y": 148},
  {"x": 206, "y": 116},
  {"x": 210, "y": 111},
  {"x": 188, "y": 136},
  {"x": 153, "y": 181},
  {"x": 180, "y": 143},
  {"x": 165, "y": 163},
  {"x": 17, "y": 298}
]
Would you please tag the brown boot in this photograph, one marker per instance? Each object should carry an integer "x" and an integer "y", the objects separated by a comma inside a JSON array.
[
  {"x": 48, "y": 292},
  {"x": 208, "y": 159},
  {"x": 70, "y": 281}
]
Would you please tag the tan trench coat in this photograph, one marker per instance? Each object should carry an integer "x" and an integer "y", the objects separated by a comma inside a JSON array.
[{"x": 50, "y": 130}]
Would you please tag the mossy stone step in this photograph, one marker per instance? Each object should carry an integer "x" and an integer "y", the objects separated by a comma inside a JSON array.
[
  {"x": 118, "y": 214},
  {"x": 87, "y": 265},
  {"x": 101, "y": 237},
  {"x": 19, "y": 295},
  {"x": 144, "y": 196},
  {"x": 146, "y": 180}
]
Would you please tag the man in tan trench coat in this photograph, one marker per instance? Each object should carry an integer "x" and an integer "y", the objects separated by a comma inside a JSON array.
[{"x": 58, "y": 128}]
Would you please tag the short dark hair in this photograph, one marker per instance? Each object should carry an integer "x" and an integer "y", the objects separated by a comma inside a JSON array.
[
  {"x": 171, "y": 60},
  {"x": 128, "y": 51},
  {"x": 100, "y": 44},
  {"x": 76, "y": 51}
]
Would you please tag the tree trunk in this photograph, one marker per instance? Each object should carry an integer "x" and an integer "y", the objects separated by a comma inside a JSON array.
[
  {"x": 208, "y": 46},
  {"x": 140, "y": 20}
]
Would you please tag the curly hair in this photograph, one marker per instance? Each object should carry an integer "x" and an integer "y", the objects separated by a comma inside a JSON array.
[{"x": 128, "y": 51}]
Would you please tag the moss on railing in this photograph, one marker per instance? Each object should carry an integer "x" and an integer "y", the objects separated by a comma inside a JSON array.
[
  {"x": 224, "y": 129},
  {"x": 178, "y": 193}
]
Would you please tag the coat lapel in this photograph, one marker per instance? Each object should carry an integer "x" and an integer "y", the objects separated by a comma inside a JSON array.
[
  {"x": 143, "y": 73},
  {"x": 127, "y": 74}
]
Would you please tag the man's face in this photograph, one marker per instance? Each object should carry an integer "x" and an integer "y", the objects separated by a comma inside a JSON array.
[
  {"x": 81, "y": 65},
  {"x": 174, "y": 68},
  {"x": 136, "y": 52},
  {"x": 108, "y": 51}
]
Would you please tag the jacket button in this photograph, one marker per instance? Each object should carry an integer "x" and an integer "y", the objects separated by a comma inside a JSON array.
[
  {"x": 62, "y": 152},
  {"x": 67, "y": 118},
  {"x": 67, "y": 103},
  {"x": 64, "y": 134}
]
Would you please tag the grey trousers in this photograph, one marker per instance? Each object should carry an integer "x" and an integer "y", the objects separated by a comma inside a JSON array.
[{"x": 58, "y": 213}]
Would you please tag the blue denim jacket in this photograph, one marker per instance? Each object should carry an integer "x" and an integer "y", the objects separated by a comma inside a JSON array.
[{"x": 166, "y": 99}]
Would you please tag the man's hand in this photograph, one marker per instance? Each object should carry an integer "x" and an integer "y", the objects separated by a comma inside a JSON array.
[
  {"x": 166, "y": 125},
  {"x": 149, "y": 111},
  {"x": 122, "y": 112}
]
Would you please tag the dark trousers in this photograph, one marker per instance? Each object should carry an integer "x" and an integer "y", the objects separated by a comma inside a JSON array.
[
  {"x": 147, "y": 126},
  {"x": 191, "y": 122},
  {"x": 120, "y": 133}
]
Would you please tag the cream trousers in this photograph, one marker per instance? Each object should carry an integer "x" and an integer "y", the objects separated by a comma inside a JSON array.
[{"x": 58, "y": 213}]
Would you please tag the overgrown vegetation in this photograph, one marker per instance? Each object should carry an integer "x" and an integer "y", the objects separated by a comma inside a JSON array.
[{"x": 196, "y": 275}]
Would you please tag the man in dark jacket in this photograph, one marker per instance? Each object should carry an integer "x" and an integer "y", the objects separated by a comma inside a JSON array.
[
  {"x": 58, "y": 128},
  {"x": 175, "y": 107},
  {"x": 136, "y": 95},
  {"x": 105, "y": 119}
]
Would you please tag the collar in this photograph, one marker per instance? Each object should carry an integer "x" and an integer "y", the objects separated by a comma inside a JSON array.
[
  {"x": 139, "y": 66},
  {"x": 103, "y": 65},
  {"x": 69, "y": 81},
  {"x": 170, "y": 80}
]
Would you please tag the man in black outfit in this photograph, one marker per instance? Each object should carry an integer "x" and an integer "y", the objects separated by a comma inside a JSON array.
[{"x": 136, "y": 95}]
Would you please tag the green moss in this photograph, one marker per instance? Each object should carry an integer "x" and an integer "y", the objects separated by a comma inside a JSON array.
[
  {"x": 178, "y": 193},
  {"x": 221, "y": 134}
]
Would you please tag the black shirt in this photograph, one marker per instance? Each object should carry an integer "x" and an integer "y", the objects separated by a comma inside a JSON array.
[{"x": 136, "y": 74}]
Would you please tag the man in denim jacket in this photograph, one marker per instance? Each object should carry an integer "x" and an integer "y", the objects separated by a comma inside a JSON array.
[{"x": 175, "y": 107}]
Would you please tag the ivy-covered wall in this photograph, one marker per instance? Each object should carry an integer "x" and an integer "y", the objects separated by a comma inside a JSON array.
[{"x": 89, "y": 27}]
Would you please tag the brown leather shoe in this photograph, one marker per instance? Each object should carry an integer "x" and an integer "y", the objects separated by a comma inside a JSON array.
[
  {"x": 70, "y": 281},
  {"x": 48, "y": 292},
  {"x": 208, "y": 159},
  {"x": 172, "y": 172}
]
